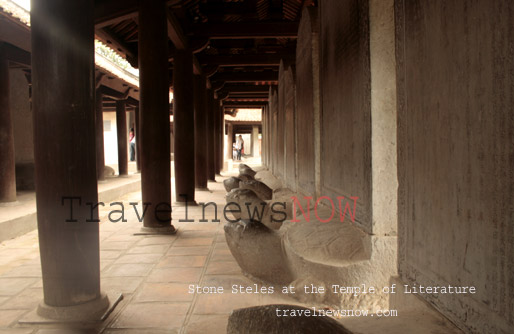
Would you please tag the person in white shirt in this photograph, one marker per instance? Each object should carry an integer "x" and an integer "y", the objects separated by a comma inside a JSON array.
[{"x": 239, "y": 146}]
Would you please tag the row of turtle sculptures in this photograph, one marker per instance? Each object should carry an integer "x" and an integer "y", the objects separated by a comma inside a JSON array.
[
  {"x": 254, "y": 239},
  {"x": 252, "y": 235},
  {"x": 257, "y": 201}
]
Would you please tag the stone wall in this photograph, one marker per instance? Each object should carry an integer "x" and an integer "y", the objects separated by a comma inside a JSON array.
[
  {"x": 281, "y": 120},
  {"x": 290, "y": 127},
  {"x": 346, "y": 111},
  {"x": 455, "y": 155},
  {"x": 21, "y": 114},
  {"x": 307, "y": 99},
  {"x": 21, "y": 117},
  {"x": 273, "y": 104}
]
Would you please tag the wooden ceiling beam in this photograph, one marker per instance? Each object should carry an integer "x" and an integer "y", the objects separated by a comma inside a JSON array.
[
  {"x": 15, "y": 54},
  {"x": 231, "y": 89},
  {"x": 175, "y": 33},
  {"x": 244, "y": 104},
  {"x": 245, "y": 76},
  {"x": 245, "y": 60},
  {"x": 246, "y": 30},
  {"x": 118, "y": 45},
  {"x": 108, "y": 12}
]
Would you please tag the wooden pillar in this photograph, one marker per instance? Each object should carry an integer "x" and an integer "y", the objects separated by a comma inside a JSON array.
[
  {"x": 221, "y": 136},
  {"x": 7, "y": 162},
  {"x": 183, "y": 125},
  {"x": 138, "y": 139},
  {"x": 210, "y": 135},
  {"x": 264, "y": 142},
  {"x": 154, "y": 116},
  {"x": 217, "y": 136},
  {"x": 230, "y": 141},
  {"x": 65, "y": 158},
  {"x": 99, "y": 135},
  {"x": 121, "y": 130},
  {"x": 255, "y": 141},
  {"x": 200, "y": 96}
]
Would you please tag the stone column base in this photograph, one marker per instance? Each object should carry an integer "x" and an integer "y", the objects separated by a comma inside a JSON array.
[
  {"x": 94, "y": 311},
  {"x": 161, "y": 230}
]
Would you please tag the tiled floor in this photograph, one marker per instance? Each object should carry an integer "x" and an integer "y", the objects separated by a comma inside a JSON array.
[{"x": 152, "y": 272}]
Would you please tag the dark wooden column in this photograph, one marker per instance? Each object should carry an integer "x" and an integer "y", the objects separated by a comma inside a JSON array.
[
  {"x": 121, "y": 130},
  {"x": 200, "y": 95},
  {"x": 222, "y": 136},
  {"x": 211, "y": 174},
  {"x": 230, "y": 141},
  {"x": 154, "y": 115},
  {"x": 63, "y": 104},
  {"x": 99, "y": 130},
  {"x": 138, "y": 139},
  {"x": 183, "y": 125},
  {"x": 7, "y": 163},
  {"x": 220, "y": 132}
]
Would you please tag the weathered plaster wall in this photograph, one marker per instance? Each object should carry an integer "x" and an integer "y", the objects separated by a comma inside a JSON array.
[
  {"x": 21, "y": 117},
  {"x": 21, "y": 114},
  {"x": 273, "y": 103},
  {"x": 456, "y": 155},
  {"x": 307, "y": 99},
  {"x": 346, "y": 111},
  {"x": 281, "y": 119},
  {"x": 289, "y": 128},
  {"x": 383, "y": 118}
]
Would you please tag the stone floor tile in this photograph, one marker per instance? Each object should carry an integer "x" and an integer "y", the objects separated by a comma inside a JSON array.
[
  {"x": 221, "y": 251},
  {"x": 221, "y": 247},
  {"x": 121, "y": 237},
  {"x": 201, "y": 324},
  {"x": 223, "y": 303},
  {"x": 183, "y": 261},
  {"x": 187, "y": 242},
  {"x": 3, "y": 299},
  {"x": 139, "y": 258},
  {"x": 164, "y": 292},
  {"x": 8, "y": 317},
  {"x": 26, "y": 300},
  {"x": 156, "y": 240},
  {"x": 121, "y": 284},
  {"x": 105, "y": 263},
  {"x": 227, "y": 281},
  {"x": 115, "y": 245},
  {"x": 166, "y": 275},
  {"x": 195, "y": 250},
  {"x": 68, "y": 331},
  {"x": 152, "y": 315},
  {"x": 141, "y": 331},
  {"x": 219, "y": 256},
  {"x": 12, "y": 286},
  {"x": 128, "y": 270},
  {"x": 24, "y": 271},
  {"x": 223, "y": 268},
  {"x": 17, "y": 331},
  {"x": 149, "y": 249},
  {"x": 109, "y": 254},
  {"x": 197, "y": 234}
]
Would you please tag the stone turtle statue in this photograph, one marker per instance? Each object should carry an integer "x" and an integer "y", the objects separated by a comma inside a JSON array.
[
  {"x": 246, "y": 170},
  {"x": 245, "y": 177},
  {"x": 250, "y": 205},
  {"x": 263, "y": 191},
  {"x": 270, "y": 319},
  {"x": 231, "y": 183},
  {"x": 258, "y": 251}
]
